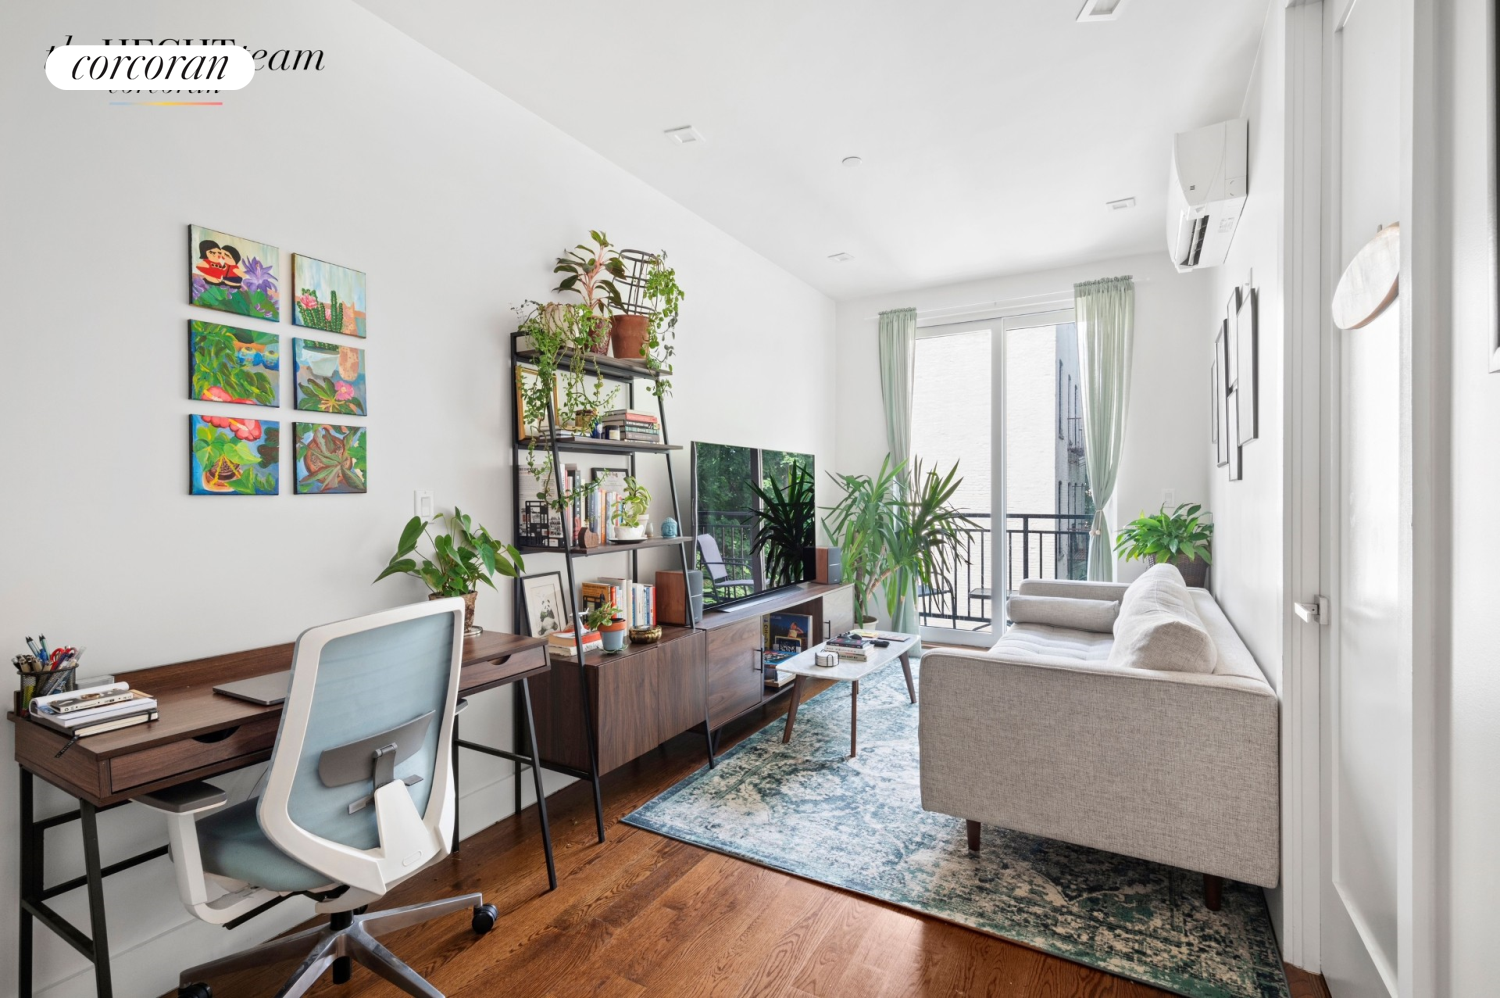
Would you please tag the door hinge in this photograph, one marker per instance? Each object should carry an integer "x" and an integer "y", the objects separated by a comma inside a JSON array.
[{"x": 1315, "y": 612}]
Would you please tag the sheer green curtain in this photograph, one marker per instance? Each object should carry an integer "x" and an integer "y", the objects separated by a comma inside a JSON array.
[
  {"x": 898, "y": 362},
  {"x": 1105, "y": 315}
]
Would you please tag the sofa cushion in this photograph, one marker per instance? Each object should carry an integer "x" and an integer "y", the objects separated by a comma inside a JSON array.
[
  {"x": 1081, "y": 614},
  {"x": 1158, "y": 626}
]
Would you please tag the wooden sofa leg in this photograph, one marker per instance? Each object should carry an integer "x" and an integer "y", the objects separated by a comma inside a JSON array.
[
  {"x": 1213, "y": 891},
  {"x": 973, "y": 829}
]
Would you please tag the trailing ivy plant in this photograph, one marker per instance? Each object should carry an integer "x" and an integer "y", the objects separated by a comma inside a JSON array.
[
  {"x": 661, "y": 289},
  {"x": 461, "y": 558},
  {"x": 1162, "y": 536},
  {"x": 635, "y": 503}
]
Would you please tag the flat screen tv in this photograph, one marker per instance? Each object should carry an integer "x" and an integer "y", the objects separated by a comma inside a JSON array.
[{"x": 750, "y": 541}]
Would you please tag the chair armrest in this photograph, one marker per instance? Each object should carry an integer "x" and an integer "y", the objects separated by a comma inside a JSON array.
[
  {"x": 185, "y": 798},
  {"x": 461, "y": 706},
  {"x": 1073, "y": 589}
]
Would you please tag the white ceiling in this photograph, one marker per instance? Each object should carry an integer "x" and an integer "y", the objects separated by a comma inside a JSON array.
[{"x": 992, "y": 131}]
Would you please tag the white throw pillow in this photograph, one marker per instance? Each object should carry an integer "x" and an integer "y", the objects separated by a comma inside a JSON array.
[
  {"x": 1159, "y": 628},
  {"x": 1061, "y": 611}
]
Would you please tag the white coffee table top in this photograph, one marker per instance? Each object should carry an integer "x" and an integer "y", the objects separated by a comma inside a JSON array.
[{"x": 849, "y": 669}]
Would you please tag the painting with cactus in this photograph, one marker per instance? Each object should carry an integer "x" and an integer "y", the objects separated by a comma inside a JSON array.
[
  {"x": 328, "y": 297},
  {"x": 329, "y": 378},
  {"x": 233, "y": 274},
  {"x": 231, "y": 456},
  {"x": 233, "y": 365},
  {"x": 330, "y": 459}
]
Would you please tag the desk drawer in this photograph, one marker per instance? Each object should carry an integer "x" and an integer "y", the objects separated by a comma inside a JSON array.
[{"x": 137, "y": 768}]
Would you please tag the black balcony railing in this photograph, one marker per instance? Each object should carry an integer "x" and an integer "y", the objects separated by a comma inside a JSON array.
[{"x": 1037, "y": 546}]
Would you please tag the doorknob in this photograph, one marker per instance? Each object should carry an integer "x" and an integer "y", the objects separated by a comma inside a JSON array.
[{"x": 1315, "y": 612}]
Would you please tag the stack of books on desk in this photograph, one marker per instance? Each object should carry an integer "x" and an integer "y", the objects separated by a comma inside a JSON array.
[
  {"x": 95, "y": 710},
  {"x": 633, "y": 425}
]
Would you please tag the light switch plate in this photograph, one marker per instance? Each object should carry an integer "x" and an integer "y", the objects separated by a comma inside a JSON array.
[
  {"x": 1169, "y": 498},
  {"x": 422, "y": 500}
]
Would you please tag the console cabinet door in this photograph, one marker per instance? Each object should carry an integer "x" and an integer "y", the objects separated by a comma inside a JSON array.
[
  {"x": 734, "y": 678},
  {"x": 625, "y": 707},
  {"x": 838, "y": 610},
  {"x": 681, "y": 683}
]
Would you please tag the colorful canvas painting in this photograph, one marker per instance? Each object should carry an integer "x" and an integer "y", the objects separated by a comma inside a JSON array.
[
  {"x": 233, "y": 274},
  {"x": 233, "y": 365},
  {"x": 329, "y": 377},
  {"x": 329, "y": 297},
  {"x": 231, "y": 456},
  {"x": 330, "y": 459}
]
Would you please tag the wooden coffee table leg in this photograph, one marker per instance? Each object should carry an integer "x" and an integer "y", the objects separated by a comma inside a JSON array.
[
  {"x": 791, "y": 712},
  {"x": 911, "y": 687},
  {"x": 854, "y": 720}
]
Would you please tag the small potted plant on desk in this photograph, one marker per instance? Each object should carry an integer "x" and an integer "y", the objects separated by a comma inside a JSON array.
[
  {"x": 463, "y": 557},
  {"x": 601, "y": 617},
  {"x": 1179, "y": 538},
  {"x": 635, "y": 507}
]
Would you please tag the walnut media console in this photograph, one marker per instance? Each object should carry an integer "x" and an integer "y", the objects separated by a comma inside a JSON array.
[{"x": 647, "y": 694}]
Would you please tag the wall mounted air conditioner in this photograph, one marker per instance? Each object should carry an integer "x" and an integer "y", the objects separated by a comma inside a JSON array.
[{"x": 1207, "y": 192}]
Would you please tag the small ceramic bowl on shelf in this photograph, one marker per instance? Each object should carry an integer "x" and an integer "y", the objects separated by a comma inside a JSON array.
[{"x": 645, "y": 635}]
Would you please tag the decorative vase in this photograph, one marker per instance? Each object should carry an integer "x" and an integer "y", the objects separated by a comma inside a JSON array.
[
  {"x": 583, "y": 420},
  {"x": 669, "y": 527},
  {"x": 599, "y": 342},
  {"x": 629, "y": 334},
  {"x": 613, "y": 636},
  {"x": 469, "y": 597}
]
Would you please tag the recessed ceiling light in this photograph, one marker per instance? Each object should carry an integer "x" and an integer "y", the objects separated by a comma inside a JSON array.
[
  {"x": 852, "y": 161},
  {"x": 686, "y": 135},
  {"x": 1101, "y": 10},
  {"x": 841, "y": 257},
  {"x": 1120, "y": 205}
]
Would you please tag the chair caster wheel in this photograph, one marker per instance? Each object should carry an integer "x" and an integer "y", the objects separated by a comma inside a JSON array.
[
  {"x": 485, "y": 916},
  {"x": 195, "y": 991}
]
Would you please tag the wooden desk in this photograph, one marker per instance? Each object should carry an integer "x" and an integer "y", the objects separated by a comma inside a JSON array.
[{"x": 200, "y": 733}]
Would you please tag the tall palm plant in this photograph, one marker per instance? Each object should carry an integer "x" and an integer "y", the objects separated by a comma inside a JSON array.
[
  {"x": 784, "y": 524},
  {"x": 897, "y": 528}
]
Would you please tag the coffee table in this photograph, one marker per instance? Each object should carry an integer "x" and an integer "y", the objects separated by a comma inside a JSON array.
[{"x": 849, "y": 670}]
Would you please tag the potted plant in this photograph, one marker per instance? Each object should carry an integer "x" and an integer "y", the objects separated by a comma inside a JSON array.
[
  {"x": 601, "y": 617},
  {"x": 461, "y": 558},
  {"x": 666, "y": 298},
  {"x": 784, "y": 528},
  {"x": 635, "y": 505},
  {"x": 591, "y": 272},
  {"x": 896, "y": 529},
  {"x": 1179, "y": 538}
]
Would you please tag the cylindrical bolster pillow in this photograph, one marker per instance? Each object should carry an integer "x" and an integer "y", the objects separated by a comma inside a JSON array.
[{"x": 1059, "y": 611}]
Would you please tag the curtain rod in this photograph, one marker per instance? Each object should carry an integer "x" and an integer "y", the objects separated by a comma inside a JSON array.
[{"x": 1040, "y": 298}]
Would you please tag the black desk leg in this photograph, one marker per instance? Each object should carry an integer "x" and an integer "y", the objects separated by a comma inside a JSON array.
[
  {"x": 708, "y": 737},
  {"x": 88, "y": 819},
  {"x": 453, "y": 846},
  {"x": 541, "y": 795},
  {"x": 31, "y": 865}
]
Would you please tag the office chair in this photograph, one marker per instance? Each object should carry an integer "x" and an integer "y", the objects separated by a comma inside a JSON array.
[{"x": 359, "y": 796}]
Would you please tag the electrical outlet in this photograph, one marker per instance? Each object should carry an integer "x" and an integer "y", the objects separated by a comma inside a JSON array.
[
  {"x": 1169, "y": 498},
  {"x": 422, "y": 500}
]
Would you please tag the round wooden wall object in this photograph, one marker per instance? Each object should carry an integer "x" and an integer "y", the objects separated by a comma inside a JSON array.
[{"x": 1369, "y": 284}]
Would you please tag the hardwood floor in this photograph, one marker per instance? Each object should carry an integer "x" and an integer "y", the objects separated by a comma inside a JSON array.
[{"x": 646, "y": 915}]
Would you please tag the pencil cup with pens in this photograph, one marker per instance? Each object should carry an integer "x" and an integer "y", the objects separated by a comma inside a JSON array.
[{"x": 45, "y": 672}]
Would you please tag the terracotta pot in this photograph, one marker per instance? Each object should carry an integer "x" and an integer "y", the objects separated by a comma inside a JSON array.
[
  {"x": 469, "y": 599},
  {"x": 629, "y": 334}
]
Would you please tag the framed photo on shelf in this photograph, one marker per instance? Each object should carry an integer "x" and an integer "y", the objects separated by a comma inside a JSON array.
[
  {"x": 526, "y": 375},
  {"x": 610, "y": 479},
  {"x": 542, "y": 603}
]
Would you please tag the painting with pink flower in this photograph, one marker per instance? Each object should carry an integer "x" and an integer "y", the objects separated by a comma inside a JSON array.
[
  {"x": 233, "y": 274},
  {"x": 329, "y": 377},
  {"x": 328, "y": 297}
]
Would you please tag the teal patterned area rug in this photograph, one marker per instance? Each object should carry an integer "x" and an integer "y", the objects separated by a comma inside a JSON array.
[{"x": 806, "y": 809}]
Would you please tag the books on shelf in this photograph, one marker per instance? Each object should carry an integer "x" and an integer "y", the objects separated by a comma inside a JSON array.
[
  {"x": 630, "y": 416},
  {"x": 560, "y": 644},
  {"x": 782, "y": 636},
  {"x": 62, "y": 713},
  {"x": 634, "y": 602}
]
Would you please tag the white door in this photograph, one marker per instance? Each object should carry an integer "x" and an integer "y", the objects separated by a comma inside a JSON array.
[{"x": 1366, "y": 725}]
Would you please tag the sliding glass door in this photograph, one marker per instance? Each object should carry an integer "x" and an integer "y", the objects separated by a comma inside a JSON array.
[{"x": 1019, "y": 451}]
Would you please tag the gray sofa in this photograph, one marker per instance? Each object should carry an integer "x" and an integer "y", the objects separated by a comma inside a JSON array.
[{"x": 1164, "y": 748}]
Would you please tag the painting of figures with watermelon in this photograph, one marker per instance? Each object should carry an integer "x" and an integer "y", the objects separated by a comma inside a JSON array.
[
  {"x": 330, "y": 459},
  {"x": 329, "y": 297},
  {"x": 231, "y": 456},
  {"x": 233, "y": 365},
  {"x": 233, "y": 274}
]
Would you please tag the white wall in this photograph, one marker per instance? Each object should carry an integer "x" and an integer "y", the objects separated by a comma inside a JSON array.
[
  {"x": 454, "y": 201},
  {"x": 1467, "y": 724},
  {"x": 1166, "y": 442}
]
